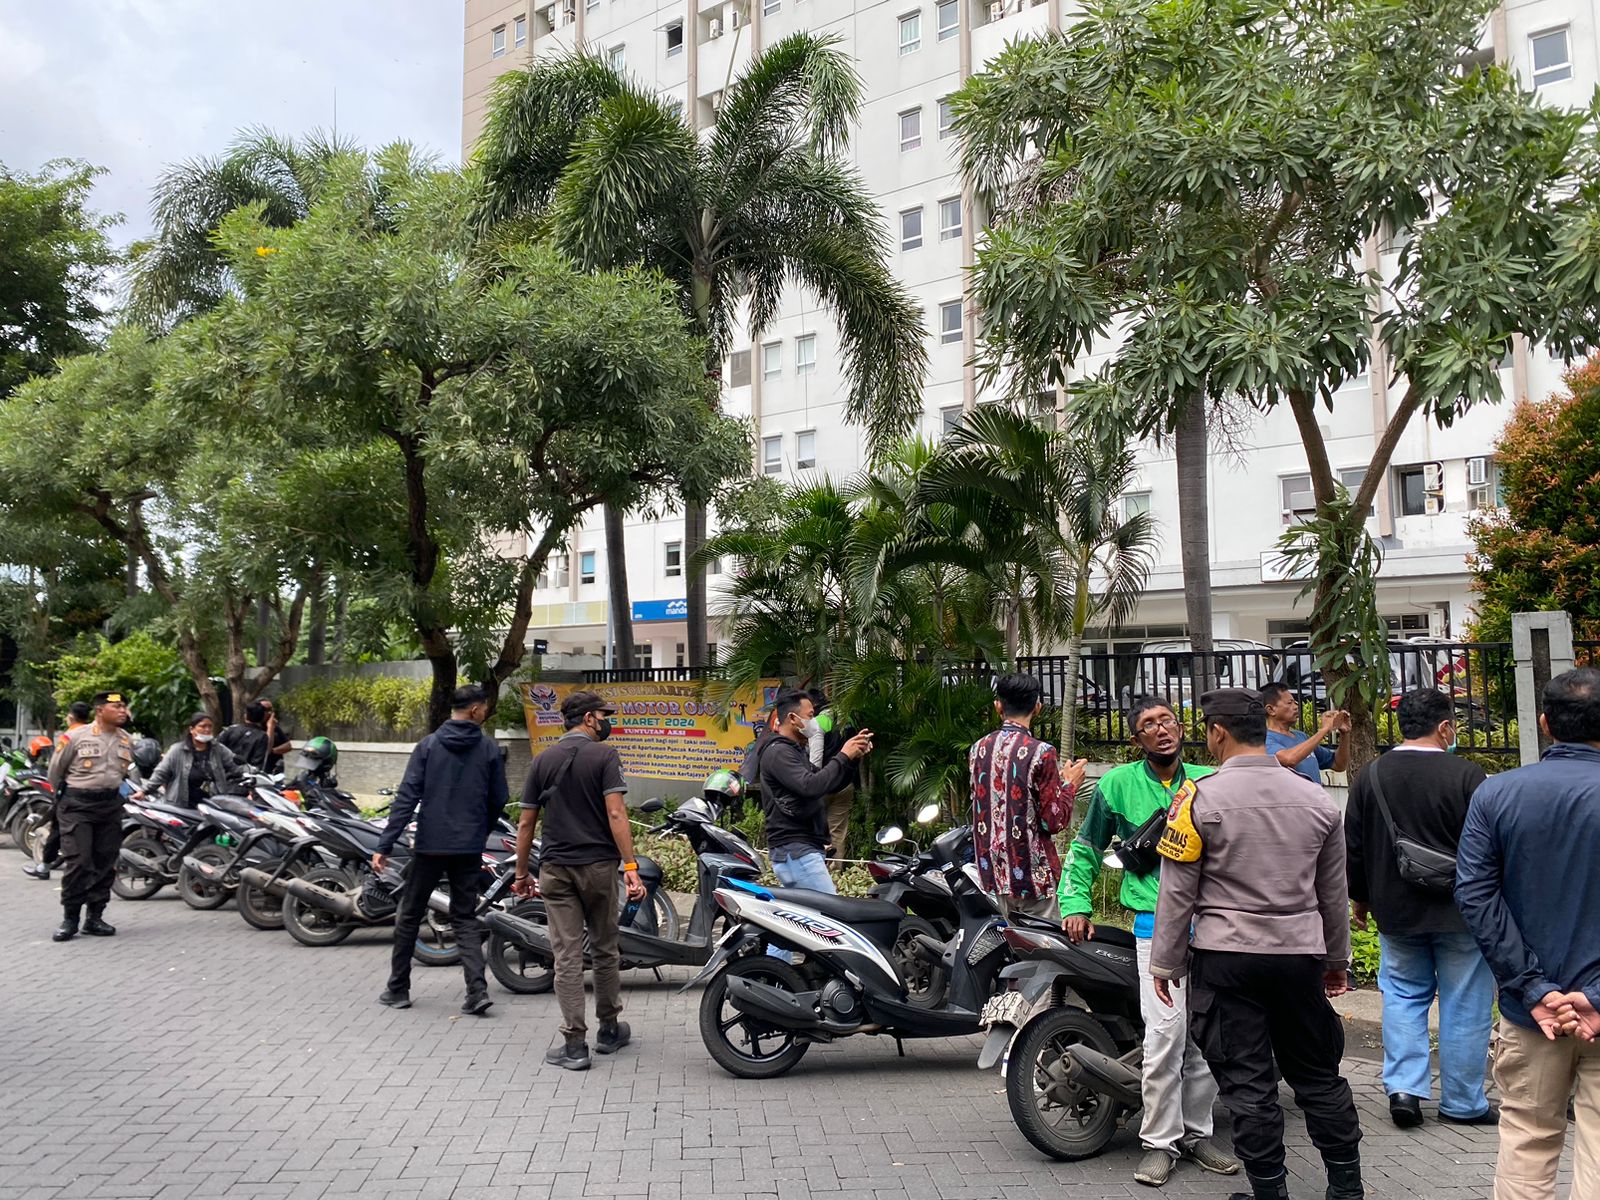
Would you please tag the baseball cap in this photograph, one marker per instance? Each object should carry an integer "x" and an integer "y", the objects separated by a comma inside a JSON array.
[{"x": 577, "y": 705}]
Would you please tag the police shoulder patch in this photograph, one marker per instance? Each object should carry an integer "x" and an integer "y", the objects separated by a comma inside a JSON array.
[{"x": 1181, "y": 840}]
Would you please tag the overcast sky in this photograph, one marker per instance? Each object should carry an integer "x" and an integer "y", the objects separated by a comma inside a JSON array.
[{"x": 132, "y": 85}]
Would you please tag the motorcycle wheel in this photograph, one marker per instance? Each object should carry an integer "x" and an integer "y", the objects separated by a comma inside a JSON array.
[
  {"x": 513, "y": 967},
  {"x": 17, "y": 823},
  {"x": 436, "y": 941},
  {"x": 926, "y": 982},
  {"x": 199, "y": 892},
  {"x": 1062, "y": 1120},
  {"x": 313, "y": 926},
  {"x": 745, "y": 1046},
  {"x": 132, "y": 883},
  {"x": 35, "y": 833},
  {"x": 259, "y": 910},
  {"x": 656, "y": 917}
]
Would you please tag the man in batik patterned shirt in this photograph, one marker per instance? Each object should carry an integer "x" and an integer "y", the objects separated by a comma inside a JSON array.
[{"x": 1020, "y": 796}]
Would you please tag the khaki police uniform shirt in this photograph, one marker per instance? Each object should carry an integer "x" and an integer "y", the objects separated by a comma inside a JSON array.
[
  {"x": 92, "y": 761},
  {"x": 1270, "y": 877}
]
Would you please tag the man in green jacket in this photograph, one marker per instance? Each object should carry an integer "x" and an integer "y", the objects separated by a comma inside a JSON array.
[{"x": 1177, "y": 1088}]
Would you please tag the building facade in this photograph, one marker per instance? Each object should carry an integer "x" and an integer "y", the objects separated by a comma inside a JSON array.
[{"x": 912, "y": 54}]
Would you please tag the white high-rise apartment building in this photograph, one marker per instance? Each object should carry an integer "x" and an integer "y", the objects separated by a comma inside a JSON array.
[{"x": 912, "y": 54}]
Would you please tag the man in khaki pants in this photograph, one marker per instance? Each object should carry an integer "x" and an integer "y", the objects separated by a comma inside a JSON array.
[
  {"x": 577, "y": 784},
  {"x": 1528, "y": 884}
]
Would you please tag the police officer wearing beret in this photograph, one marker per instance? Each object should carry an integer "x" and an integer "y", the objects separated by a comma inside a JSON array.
[
  {"x": 86, "y": 774},
  {"x": 1256, "y": 866}
]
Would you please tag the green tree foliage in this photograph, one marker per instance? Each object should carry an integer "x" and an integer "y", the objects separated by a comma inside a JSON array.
[
  {"x": 56, "y": 256},
  {"x": 1210, "y": 181},
  {"x": 484, "y": 387},
  {"x": 149, "y": 672},
  {"x": 1541, "y": 549},
  {"x": 766, "y": 201}
]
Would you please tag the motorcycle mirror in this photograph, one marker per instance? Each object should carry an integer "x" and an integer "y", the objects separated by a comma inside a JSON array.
[
  {"x": 652, "y": 805},
  {"x": 890, "y": 834},
  {"x": 927, "y": 814}
]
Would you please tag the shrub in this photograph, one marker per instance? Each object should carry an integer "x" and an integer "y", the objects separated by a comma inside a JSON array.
[
  {"x": 1364, "y": 955},
  {"x": 151, "y": 673},
  {"x": 382, "y": 704}
]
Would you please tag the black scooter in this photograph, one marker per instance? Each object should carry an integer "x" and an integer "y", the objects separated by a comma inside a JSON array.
[
  {"x": 760, "y": 1014},
  {"x": 914, "y": 883},
  {"x": 519, "y": 940},
  {"x": 1069, "y": 1033}
]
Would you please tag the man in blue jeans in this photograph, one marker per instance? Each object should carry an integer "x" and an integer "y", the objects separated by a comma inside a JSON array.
[
  {"x": 1426, "y": 948},
  {"x": 794, "y": 794}
]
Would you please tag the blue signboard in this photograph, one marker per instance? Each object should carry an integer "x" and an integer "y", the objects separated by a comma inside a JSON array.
[{"x": 660, "y": 610}]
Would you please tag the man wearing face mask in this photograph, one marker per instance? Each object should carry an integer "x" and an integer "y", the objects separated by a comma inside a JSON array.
[
  {"x": 794, "y": 793},
  {"x": 1254, "y": 918},
  {"x": 577, "y": 785},
  {"x": 1427, "y": 949}
]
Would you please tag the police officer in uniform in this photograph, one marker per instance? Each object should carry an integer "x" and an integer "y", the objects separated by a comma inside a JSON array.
[
  {"x": 1256, "y": 865},
  {"x": 86, "y": 774}
]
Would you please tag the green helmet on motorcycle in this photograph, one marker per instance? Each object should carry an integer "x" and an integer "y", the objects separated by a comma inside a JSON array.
[
  {"x": 322, "y": 749},
  {"x": 723, "y": 787}
]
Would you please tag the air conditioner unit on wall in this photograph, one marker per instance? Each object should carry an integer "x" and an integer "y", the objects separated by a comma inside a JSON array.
[
  {"x": 716, "y": 28},
  {"x": 1477, "y": 471},
  {"x": 1433, "y": 505},
  {"x": 997, "y": 9}
]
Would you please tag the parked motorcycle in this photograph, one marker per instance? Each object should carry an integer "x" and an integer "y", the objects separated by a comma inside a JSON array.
[
  {"x": 520, "y": 955},
  {"x": 26, "y": 799},
  {"x": 913, "y": 882},
  {"x": 760, "y": 1014},
  {"x": 1069, "y": 1032}
]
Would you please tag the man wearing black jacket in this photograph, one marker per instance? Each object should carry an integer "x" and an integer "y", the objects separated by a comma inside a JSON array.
[
  {"x": 1426, "y": 948},
  {"x": 458, "y": 779},
  {"x": 794, "y": 793}
]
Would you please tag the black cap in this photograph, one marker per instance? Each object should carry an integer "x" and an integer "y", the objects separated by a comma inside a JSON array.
[
  {"x": 575, "y": 706},
  {"x": 108, "y": 698},
  {"x": 1232, "y": 702}
]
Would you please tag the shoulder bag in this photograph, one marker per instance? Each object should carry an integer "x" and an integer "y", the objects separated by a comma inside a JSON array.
[{"x": 1420, "y": 865}]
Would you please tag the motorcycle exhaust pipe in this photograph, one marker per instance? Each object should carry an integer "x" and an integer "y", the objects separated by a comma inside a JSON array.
[
  {"x": 142, "y": 863},
  {"x": 260, "y": 880},
  {"x": 210, "y": 872},
  {"x": 340, "y": 904},
  {"x": 928, "y": 949},
  {"x": 439, "y": 902},
  {"x": 530, "y": 935},
  {"x": 764, "y": 1000},
  {"x": 1101, "y": 1073}
]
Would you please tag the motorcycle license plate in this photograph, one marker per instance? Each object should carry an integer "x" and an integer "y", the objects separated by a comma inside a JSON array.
[{"x": 1007, "y": 1009}]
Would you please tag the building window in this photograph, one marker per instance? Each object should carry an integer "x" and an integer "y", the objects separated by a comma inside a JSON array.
[
  {"x": 644, "y": 655},
  {"x": 716, "y": 566},
  {"x": 910, "y": 33},
  {"x": 771, "y": 455},
  {"x": 1299, "y": 502},
  {"x": 678, "y": 653},
  {"x": 948, "y": 19},
  {"x": 519, "y": 32},
  {"x": 674, "y": 563},
  {"x": 768, "y": 7},
  {"x": 1552, "y": 60},
  {"x": 771, "y": 360},
  {"x": 805, "y": 353},
  {"x": 950, "y": 219},
  {"x": 591, "y": 5},
  {"x": 1412, "y": 491},
  {"x": 1352, "y": 478},
  {"x": 497, "y": 40},
  {"x": 711, "y": 653},
  {"x": 1135, "y": 504},
  {"x": 739, "y": 369},
  {"x": 675, "y": 107},
  {"x": 911, "y": 229},
  {"x": 586, "y": 567},
  {"x": 805, "y": 449},
  {"x": 949, "y": 419},
  {"x": 554, "y": 574},
  {"x": 617, "y": 56},
  {"x": 950, "y": 323},
  {"x": 947, "y": 119},
  {"x": 674, "y": 39},
  {"x": 910, "y": 129}
]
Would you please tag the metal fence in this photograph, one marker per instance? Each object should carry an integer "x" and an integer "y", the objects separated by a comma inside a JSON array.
[{"x": 1480, "y": 677}]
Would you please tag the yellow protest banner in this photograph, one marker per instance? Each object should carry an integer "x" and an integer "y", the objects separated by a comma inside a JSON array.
[{"x": 661, "y": 730}]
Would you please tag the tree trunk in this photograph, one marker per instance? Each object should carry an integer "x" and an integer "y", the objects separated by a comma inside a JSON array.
[
  {"x": 1069, "y": 702},
  {"x": 317, "y": 637},
  {"x": 1194, "y": 536},
  {"x": 263, "y": 631},
  {"x": 694, "y": 581},
  {"x": 617, "y": 587},
  {"x": 341, "y": 620},
  {"x": 441, "y": 656},
  {"x": 514, "y": 647},
  {"x": 130, "y": 584}
]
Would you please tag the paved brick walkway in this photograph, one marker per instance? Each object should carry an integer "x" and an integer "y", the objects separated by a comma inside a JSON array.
[{"x": 192, "y": 1056}]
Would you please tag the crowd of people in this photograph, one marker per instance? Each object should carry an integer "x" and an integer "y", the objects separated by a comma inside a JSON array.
[{"x": 1243, "y": 882}]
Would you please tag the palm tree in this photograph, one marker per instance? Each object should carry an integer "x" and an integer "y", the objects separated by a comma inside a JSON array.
[
  {"x": 765, "y": 201},
  {"x": 1047, "y": 500},
  {"x": 181, "y": 272}
]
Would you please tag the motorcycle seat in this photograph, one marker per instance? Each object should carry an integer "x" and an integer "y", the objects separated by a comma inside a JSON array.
[
  {"x": 842, "y": 908},
  {"x": 176, "y": 810}
]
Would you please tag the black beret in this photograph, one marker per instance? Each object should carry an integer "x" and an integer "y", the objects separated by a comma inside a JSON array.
[{"x": 1232, "y": 702}]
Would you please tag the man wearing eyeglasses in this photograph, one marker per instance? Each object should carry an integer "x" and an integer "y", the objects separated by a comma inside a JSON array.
[{"x": 1177, "y": 1086}]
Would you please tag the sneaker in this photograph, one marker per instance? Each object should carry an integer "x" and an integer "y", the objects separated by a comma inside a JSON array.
[
  {"x": 1405, "y": 1111},
  {"x": 395, "y": 999},
  {"x": 477, "y": 1004},
  {"x": 1207, "y": 1157},
  {"x": 572, "y": 1054},
  {"x": 1154, "y": 1169},
  {"x": 613, "y": 1037},
  {"x": 1489, "y": 1116}
]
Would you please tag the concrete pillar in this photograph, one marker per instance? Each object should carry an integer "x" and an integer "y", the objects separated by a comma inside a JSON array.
[{"x": 1541, "y": 647}]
